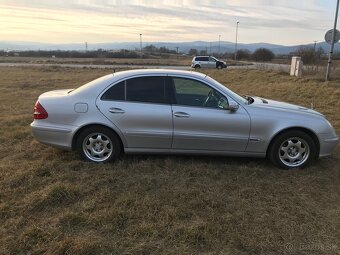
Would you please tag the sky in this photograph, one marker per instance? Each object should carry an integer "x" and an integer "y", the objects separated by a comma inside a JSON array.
[{"x": 66, "y": 21}]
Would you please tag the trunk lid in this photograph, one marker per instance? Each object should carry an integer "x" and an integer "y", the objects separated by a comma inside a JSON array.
[{"x": 55, "y": 93}]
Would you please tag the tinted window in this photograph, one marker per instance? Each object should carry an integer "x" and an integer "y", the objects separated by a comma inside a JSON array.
[
  {"x": 146, "y": 89},
  {"x": 194, "y": 93},
  {"x": 116, "y": 92},
  {"x": 202, "y": 58}
]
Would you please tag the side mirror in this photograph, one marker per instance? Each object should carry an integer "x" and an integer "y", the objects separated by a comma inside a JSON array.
[{"x": 233, "y": 106}]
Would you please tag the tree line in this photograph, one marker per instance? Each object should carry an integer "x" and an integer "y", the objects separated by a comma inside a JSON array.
[
  {"x": 261, "y": 54},
  {"x": 309, "y": 55},
  {"x": 147, "y": 51}
]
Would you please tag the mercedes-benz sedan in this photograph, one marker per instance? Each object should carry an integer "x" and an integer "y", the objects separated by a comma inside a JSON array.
[{"x": 168, "y": 111}]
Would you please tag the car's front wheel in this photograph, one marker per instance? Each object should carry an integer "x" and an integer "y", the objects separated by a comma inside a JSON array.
[
  {"x": 98, "y": 144},
  {"x": 292, "y": 149}
]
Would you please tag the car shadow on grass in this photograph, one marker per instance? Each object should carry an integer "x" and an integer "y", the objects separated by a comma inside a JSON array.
[
  {"x": 200, "y": 159},
  {"x": 228, "y": 162}
]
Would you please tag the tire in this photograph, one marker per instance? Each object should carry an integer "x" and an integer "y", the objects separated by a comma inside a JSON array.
[
  {"x": 98, "y": 144},
  {"x": 219, "y": 67},
  {"x": 292, "y": 149},
  {"x": 197, "y": 66}
]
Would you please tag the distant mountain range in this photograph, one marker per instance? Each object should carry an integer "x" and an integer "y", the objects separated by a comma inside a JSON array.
[{"x": 184, "y": 47}]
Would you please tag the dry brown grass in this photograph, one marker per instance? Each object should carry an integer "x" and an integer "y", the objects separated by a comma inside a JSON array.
[
  {"x": 172, "y": 60},
  {"x": 53, "y": 202}
]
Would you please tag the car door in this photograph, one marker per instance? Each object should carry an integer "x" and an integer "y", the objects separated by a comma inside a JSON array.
[
  {"x": 139, "y": 108},
  {"x": 202, "y": 121},
  {"x": 212, "y": 62},
  {"x": 205, "y": 62}
]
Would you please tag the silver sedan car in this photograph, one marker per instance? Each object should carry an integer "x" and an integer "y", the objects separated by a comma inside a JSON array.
[{"x": 168, "y": 111}]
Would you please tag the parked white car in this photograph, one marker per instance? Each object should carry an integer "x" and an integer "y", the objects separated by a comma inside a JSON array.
[{"x": 207, "y": 62}]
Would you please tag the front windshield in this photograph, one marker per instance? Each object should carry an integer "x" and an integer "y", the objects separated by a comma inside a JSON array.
[{"x": 232, "y": 94}]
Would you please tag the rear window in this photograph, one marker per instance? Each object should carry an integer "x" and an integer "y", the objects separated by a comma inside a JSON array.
[{"x": 116, "y": 92}]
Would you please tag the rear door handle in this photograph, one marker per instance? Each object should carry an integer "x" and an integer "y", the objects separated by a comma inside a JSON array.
[
  {"x": 116, "y": 110},
  {"x": 181, "y": 115}
]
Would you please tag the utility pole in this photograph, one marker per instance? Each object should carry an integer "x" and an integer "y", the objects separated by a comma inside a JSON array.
[
  {"x": 206, "y": 51},
  {"x": 210, "y": 49},
  {"x": 86, "y": 46},
  {"x": 219, "y": 45},
  {"x": 315, "y": 45},
  {"x": 177, "y": 50},
  {"x": 333, "y": 41},
  {"x": 141, "y": 46},
  {"x": 236, "y": 40}
]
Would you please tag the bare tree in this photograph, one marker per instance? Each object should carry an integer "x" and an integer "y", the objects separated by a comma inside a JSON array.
[{"x": 263, "y": 54}]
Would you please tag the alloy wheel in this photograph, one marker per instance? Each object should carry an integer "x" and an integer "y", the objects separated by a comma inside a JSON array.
[
  {"x": 97, "y": 147},
  {"x": 293, "y": 152}
]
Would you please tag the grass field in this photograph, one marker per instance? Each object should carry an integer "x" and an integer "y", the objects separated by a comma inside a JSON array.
[
  {"x": 173, "y": 60},
  {"x": 52, "y": 202}
]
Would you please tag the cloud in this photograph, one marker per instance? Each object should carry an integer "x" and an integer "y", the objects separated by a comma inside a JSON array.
[{"x": 118, "y": 20}]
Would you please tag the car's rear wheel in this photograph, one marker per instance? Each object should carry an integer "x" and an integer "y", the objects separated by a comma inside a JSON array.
[
  {"x": 292, "y": 149},
  {"x": 98, "y": 144}
]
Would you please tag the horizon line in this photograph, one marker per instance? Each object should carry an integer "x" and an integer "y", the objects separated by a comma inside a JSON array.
[{"x": 150, "y": 42}]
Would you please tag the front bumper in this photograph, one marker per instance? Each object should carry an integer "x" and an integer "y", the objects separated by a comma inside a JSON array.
[
  {"x": 56, "y": 136},
  {"x": 327, "y": 146}
]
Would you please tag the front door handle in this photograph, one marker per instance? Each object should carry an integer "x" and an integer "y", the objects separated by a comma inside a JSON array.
[
  {"x": 181, "y": 115},
  {"x": 116, "y": 110}
]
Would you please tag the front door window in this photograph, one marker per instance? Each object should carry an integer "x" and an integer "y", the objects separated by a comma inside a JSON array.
[{"x": 194, "y": 93}]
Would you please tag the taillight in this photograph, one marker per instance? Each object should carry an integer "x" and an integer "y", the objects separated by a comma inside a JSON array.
[{"x": 39, "y": 112}]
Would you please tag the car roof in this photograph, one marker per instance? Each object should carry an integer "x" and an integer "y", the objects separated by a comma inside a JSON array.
[
  {"x": 102, "y": 82},
  {"x": 137, "y": 72}
]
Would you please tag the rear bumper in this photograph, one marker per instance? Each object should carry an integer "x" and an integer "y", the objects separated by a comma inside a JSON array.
[
  {"x": 60, "y": 137},
  {"x": 327, "y": 146}
]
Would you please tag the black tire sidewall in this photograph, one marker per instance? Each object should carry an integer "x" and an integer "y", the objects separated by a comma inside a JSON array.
[
  {"x": 116, "y": 145},
  {"x": 274, "y": 148}
]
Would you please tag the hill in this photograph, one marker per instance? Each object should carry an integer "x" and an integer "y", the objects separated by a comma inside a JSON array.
[{"x": 184, "y": 47}]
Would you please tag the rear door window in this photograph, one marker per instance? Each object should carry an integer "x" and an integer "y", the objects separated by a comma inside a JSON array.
[{"x": 148, "y": 89}]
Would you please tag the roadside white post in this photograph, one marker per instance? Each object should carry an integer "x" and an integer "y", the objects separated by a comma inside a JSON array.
[
  {"x": 299, "y": 67},
  {"x": 296, "y": 67},
  {"x": 293, "y": 65}
]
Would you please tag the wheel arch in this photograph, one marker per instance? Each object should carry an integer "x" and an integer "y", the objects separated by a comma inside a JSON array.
[
  {"x": 303, "y": 129},
  {"x": 81, "y": 129}
]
